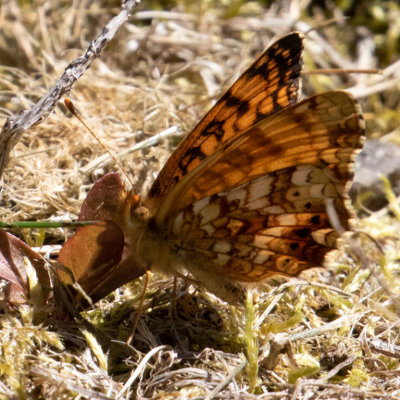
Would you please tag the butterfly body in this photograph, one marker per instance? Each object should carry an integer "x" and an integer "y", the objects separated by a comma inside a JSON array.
[{"x": 159, "y": 250}]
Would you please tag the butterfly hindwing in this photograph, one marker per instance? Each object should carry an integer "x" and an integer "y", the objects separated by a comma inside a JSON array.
[{"x": 324, "y": 130}]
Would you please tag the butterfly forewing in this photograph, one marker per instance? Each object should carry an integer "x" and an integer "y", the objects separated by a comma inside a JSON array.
[{"x": 270, "y": 84}]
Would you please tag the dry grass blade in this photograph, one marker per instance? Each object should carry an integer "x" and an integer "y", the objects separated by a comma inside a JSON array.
[{"x": 139, "y": 370}]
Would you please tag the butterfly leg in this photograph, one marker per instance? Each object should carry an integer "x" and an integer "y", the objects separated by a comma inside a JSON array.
[
  {"x": 173, "y": 314},
  {"x": 140, "y": 308},
  {"x": 172, "y": 310}
]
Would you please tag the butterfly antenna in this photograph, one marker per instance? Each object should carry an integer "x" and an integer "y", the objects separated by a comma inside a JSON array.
[
  {"x": 140, "y": 308},
  {"x": 70, "y": 105}
]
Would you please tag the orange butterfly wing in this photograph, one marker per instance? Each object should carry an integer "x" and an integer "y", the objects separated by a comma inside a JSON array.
[
  {"x": 270, "y": 84},
  {"x": 323, "y": 129}
]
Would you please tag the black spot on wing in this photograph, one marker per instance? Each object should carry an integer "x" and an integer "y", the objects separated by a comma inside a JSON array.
[
  {"x": 303, "y": 233},
  {"x": 195, "y": 153},
  {"x": 316, "y": 219}
]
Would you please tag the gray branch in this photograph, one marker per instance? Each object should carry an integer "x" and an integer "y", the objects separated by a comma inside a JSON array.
[{"x": 16, "y": 125}]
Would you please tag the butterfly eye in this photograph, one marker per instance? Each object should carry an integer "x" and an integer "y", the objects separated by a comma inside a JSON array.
[{"x": 141, "y": 213}]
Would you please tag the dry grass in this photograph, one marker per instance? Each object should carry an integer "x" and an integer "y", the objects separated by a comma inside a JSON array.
[{"x": 336, "y": 333}]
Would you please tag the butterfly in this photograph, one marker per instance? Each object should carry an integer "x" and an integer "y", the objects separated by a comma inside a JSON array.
[{"x": 245, "y": 195}]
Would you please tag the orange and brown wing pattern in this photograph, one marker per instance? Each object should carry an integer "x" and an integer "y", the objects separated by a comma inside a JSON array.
[
  {"x": 266, "y": 227},
  {"x": 322, "y": 130},
  {"x": 265, "y": 209},
  {"x": 270, "y": 84}
]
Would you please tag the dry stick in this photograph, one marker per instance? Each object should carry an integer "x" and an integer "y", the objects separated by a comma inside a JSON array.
[{"x": 16, "y": 125}]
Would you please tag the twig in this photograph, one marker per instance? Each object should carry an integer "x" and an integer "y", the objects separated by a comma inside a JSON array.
[{"x": 15, "y": 125}]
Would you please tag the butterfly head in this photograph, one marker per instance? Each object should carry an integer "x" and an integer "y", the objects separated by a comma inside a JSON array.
[{"x": 135, "y": 212}]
